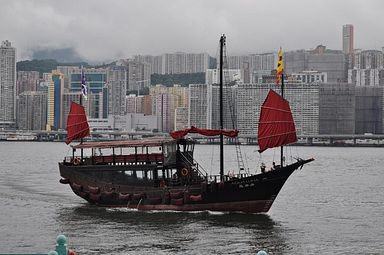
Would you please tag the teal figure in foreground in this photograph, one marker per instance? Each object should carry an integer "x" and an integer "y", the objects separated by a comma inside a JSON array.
[
  {"x": 262, "y": 253},
  {"x": 61, "y": 245}
]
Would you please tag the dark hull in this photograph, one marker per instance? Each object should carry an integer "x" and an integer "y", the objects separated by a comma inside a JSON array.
[{"x": 252, "y": 194}]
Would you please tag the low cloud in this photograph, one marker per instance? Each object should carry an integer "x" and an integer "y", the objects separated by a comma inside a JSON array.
[{"x": 106, "y": 30}]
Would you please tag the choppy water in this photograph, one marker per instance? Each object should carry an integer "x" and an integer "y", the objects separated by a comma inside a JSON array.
[{"x": 335, "y": 205}]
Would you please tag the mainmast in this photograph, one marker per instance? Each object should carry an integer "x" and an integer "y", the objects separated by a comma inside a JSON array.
[
  {"x": 222, "y": 44},
  {"x": 282, "y": 147}
]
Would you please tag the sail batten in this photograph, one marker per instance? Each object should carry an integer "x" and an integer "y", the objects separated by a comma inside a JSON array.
[
  {"x": 77, "y": 124},
  {"x": 276, "y": 125}
]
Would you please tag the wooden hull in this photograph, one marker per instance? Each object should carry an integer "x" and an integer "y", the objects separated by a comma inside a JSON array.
[{"x": 252, "y": 194}]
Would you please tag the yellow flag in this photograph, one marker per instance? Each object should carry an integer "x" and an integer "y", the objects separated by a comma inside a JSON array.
[{"x": 280, "y": 67}]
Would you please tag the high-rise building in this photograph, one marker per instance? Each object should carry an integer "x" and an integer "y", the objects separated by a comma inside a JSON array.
[
  {"x": 198, "y": 105},
  {"x": 66, "y": 71},
  {"x": 369, "y": 110},
  {"x": 348, "y": 39},
  {"x": 181, "y": 118},
  {"x": 147, "y": 105},
  {"x": 322, "y": 60},
  {"x": 7, "y": 85},
  {"x": 303, "y": 99},
  {"x": 95, "y": 79},
  {"x": 55, "y": 82},
  {"x": 177, "y": 97},
  {"x": 212, "y": 76},
  {"x": 27, "y": 81},
  {"x": 68, "y": 98},
  {"x": 32, "y": 110},
  {"x": 337, "y": 108},
  {"x": 368, "y": 59},
  {"x": 176, "y": 63},
  {"x": 117, "y": 87},
  {"x": 130, "y": 102},
  {"x": 164, "y": 113},
  {"x": 138, "y": 73},
  {"x": 229, "y": 107},
  {"x": 366, "y": 77}
]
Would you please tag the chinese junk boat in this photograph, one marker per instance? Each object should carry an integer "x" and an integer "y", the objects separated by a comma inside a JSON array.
[{"x": 161, "y": 173}]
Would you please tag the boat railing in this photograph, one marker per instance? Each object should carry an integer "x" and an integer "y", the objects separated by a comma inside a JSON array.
[
  {"x": 215, "y": 178},
  {"x": 196, "y": 166},
  {"x": 113, "y": 159}
]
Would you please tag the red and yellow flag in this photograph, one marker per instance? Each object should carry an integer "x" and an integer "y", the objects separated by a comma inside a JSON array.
[{"x": 280, "y": 67}]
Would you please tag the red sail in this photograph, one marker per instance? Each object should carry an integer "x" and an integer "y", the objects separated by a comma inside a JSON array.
[
  {"x": 276, "y": 125},
  {"x": 207, "y": 132},
  {"x": 77, "y": 125}
]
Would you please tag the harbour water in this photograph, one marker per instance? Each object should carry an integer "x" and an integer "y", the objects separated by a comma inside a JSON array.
[{"x": 334, "y": 205}]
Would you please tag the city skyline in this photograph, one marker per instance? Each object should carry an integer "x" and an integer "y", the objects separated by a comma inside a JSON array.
[{"x": 108, "y": 30}]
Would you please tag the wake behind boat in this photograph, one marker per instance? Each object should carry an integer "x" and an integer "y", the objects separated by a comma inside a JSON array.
[{"x": 162, "y": 174}]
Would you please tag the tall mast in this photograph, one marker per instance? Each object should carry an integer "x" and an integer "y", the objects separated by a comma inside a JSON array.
[
  {"x": 222, "y": 43},
  {"x": 81, "y": 103},
  {"x": 282, "y": 147}
]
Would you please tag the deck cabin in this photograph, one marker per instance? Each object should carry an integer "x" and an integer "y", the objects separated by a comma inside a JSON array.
[{"x": 154, "y": 162}]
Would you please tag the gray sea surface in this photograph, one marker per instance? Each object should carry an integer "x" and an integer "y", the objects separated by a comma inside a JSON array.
[{"x": 334, "y": 205}]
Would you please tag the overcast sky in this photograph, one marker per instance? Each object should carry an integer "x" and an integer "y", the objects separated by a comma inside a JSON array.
[{"x": 104, "y": 30}]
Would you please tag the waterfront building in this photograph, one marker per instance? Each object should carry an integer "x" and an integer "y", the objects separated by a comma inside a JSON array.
[
  {"x": 348, "y": 39},
  {"x": 32, "y": 110},
  {"x": 7, "y": 85},
  {"x": 337, "y": 108},
  {"x": 303, "y": 98},
  {"x": 369, "y": 110},
  {"x": 27, "y": 81},
  {"x": 133, "y": 122}
]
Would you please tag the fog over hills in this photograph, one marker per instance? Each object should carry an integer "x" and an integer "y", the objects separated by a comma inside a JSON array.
[{"x": 66, "y": 55}]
